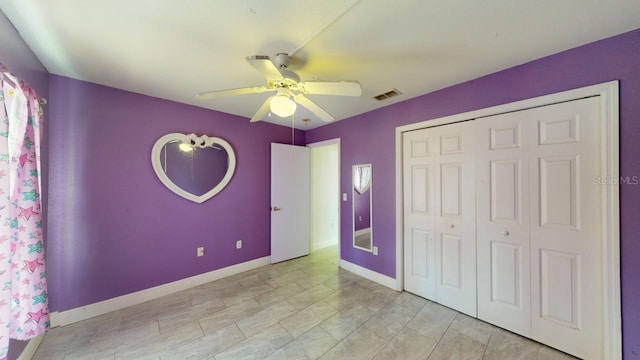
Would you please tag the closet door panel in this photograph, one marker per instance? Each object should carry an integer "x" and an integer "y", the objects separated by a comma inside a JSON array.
[
  {"x": 451, "y": 254},
  {"x": 421, "y": 250},
  {"x": 503, "y": 223},
  {"x": 419, "y": 151},
  {"x": 455, "y": 218},
  {"x": 451, "y": 190},
  {"x": 559, "y": 288},
  {"x": 566, "y": 229},
  {"x": 506, "y": 274},
  {"x": 559, "y": 194},
  {"x": 421, "y": 177},
  {"x": 439, "y": 215},
  {"x": 505, "y": 190},
  {"x": 539, "y": 225}
]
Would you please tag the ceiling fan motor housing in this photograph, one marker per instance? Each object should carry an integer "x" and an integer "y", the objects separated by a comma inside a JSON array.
[
  {"x": 282, "y": 60},
  {"x": 289, "y": 80}
]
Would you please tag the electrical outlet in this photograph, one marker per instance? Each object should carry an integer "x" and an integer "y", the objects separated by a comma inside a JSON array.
[
  {"x": 375, "y": 250},
  {"x": 239, "y": 244},
  {"x": 200, "y": 251}
]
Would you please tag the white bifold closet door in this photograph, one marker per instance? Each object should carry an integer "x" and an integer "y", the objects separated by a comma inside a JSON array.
[
  {"x": 539, "y": 225},
  {"x": 439, "y": 215}
]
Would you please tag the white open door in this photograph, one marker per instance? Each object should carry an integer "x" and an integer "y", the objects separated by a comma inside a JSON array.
[{"x": 290, "y": 206}]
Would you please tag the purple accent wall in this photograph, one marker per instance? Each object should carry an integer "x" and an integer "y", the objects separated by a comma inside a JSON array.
[
  {"x": 370, "y": 138},
  {"x": 18, "y": 58},
  {"x": 113, "y": 226},
  {"x": 362, "y": 206}
]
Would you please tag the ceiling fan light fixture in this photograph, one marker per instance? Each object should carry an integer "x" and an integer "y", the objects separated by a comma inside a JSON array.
[{"x": 282, "y": 105}]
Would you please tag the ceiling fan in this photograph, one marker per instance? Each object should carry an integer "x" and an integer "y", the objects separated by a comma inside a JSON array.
[{"x": 288, "y": 88}]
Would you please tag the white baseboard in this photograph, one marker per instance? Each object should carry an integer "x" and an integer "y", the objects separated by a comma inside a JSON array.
[
  {"x": 371, "y": 275},
  {"x": 85, "y": 312},
  {"x": 325, "y": 243},
  {"x": 31, "y": 348}
]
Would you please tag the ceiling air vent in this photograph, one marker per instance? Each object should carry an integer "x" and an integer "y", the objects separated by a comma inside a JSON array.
[{"x": 388, "y": 94}]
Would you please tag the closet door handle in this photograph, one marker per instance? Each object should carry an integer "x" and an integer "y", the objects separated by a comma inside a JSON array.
[
  {"x": 505, "y": 233},
  {"x": 452, "y": 226},
  {"x": 275, "y": 208}
]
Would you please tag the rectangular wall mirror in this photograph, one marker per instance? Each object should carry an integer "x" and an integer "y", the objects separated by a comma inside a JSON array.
[{"x": 362, "y": 224}]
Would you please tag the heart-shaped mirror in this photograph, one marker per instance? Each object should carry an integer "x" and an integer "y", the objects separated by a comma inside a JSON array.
[{"x": 194, "y": 167}]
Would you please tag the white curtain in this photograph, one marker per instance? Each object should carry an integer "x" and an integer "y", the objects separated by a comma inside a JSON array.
[
  {"x": 24, "y": 306},
  {"x": 361, "y": 178}
]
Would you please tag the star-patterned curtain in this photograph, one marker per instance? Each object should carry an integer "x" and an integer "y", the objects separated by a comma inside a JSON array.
[{"x": 24, "y": 308}]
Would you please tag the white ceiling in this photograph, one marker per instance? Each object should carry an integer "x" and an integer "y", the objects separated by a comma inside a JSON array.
[{"x": 176, "y": 49}]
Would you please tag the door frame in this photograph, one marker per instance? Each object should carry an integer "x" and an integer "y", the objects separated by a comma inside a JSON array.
[
  {"x": 610, "y": 169},
  {"x": 335, "y": 141}
]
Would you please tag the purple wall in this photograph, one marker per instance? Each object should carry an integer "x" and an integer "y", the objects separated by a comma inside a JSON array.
[
  {"x": 362, "y": 209},
  {"x": 370, "y": 138},
  {"x": 113, "y": 226}
]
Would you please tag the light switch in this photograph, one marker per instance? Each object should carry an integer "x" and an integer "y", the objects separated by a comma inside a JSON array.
[
  {"x": 344, "y": 196},
  {"x": 239, "y": 244}
]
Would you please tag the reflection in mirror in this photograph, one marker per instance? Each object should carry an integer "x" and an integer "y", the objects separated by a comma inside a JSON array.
[
  {"x": 362, "y": 235},
  {"x": 193, "y": 167}
]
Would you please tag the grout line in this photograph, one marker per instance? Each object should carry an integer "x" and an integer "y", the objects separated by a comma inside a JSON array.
[
  {"x": 444, "y": 332},
  {"x": 201, "y": 329},
  {"x": 484, "y": 354}
]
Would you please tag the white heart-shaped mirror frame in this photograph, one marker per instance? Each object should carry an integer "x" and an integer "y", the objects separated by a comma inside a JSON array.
[{"x": 196, "y": 141}]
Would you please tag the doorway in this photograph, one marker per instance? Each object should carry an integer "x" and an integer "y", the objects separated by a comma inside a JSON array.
[{"x": 325, "y": 195}]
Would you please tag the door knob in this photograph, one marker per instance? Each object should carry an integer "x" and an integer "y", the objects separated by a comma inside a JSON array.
[
  {"x": 505, "y": 233},
  {"x": 275, "y": 208},
  {"x": 452, "y": 226}
]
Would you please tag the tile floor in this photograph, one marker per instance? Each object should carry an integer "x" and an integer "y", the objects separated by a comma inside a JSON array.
[{"x": 305, "y": 308}]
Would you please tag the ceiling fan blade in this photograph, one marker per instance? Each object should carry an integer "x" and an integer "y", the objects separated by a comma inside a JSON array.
[
  {"x": 313, "y": 107},
  {"x": 341, "y": 88},
  {"x": 265, "y": 66},
  {"x": 264, "y": 109},
  {"x": 232, "y": 92}
]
